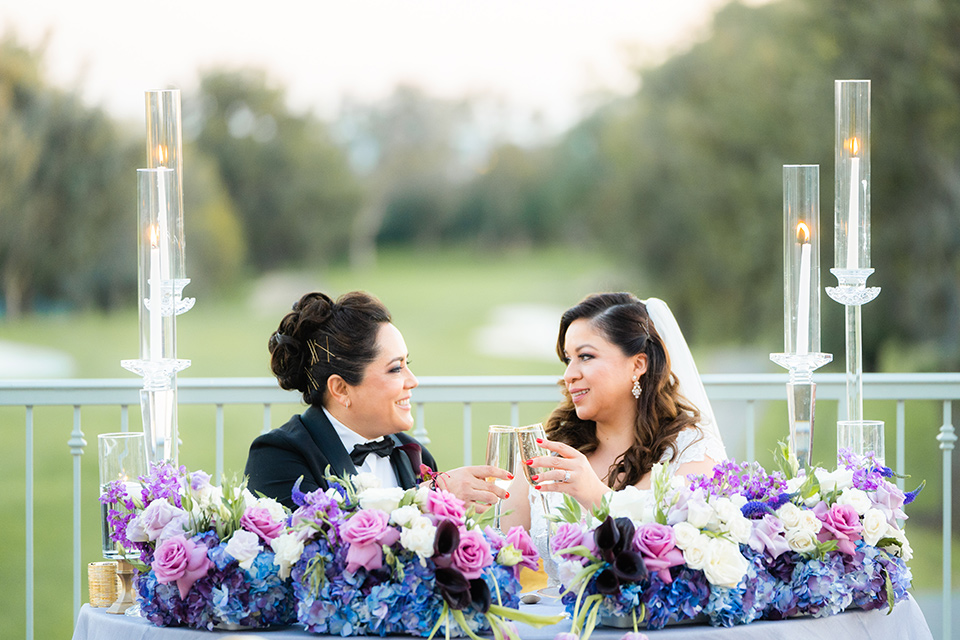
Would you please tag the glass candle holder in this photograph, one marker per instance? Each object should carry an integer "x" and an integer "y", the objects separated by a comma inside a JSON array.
[
  {"x": 801, "y": 258},
  {"x": 155, "y": 251},
  {"x": 852, "y": 175},
  {"x": 165, "y": 149},
  {"x": 862, "y": 437},
  {"x": 123, "y": 457}
]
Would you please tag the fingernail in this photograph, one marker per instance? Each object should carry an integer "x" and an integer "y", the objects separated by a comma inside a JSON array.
[
  {"x": 509, "y": 476},
  {"x": 508, "y": 495},
  {"x": 539, "y": 440},
  {"x": 534, "y": 478},
  {"x": 529, "y": 462},
  {"x": 537, "y": 487}
]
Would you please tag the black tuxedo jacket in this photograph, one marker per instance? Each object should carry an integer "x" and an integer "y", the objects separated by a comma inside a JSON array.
[{"x": 306, "y": 445}]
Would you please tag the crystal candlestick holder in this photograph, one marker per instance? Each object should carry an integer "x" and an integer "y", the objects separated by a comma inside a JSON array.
[
  {"x": 801, "y": 399},
  {"x": 853, "y": 293}
]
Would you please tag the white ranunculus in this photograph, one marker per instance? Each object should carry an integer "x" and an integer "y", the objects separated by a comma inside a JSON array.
[
  {"x": 725, "y": 509},
  {"x": 632, "y": 503},
  {"x": 366, "y": 480},
  {"x": 810, "y": 522},
  {"x": 801, "y": 540},
  {"x": 834, "y": 480},
  {"x": 685, "y": 534},
  {"x": 789, "y": 515},
  {"x": 403, "y": 516},
  {"x": 419, "y": 536},
  {"x": 244, "y": 546},
  {"x": 856, "y": 498},
  {"x": 725, "y": 566},
  {"x": 874, "y": 526},
  {"x": 740, "y": 529},
  {"x": 287, "y": 549},
  {"x": 385, "y": 499},
  {"x": 695, "y": 555}
]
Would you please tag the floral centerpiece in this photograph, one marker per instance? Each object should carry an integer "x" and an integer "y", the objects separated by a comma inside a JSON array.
[
  {"x": 737, "y": 545},
  {"x": 372, "y": 560},
  {"x": 206, "y": 552}
]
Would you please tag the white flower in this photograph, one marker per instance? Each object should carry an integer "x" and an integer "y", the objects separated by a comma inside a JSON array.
[
  {"x": 700, "y": 514},
  {"x": 403, "y": 516},
  {"x": 794, "y": 484},
  {"x": 695, "y": 555},
  {"x": 249, "y": 500},
  {"x": 567, "y": 571},
  {"x": 905, "y": 551},
  {"x": 725, "y": 566},
  {"x": 726, "y": 510},
  {"x": 274, "y": 508},
  {"x": 801, "y": 540},
  {"x": 856, "y": 498},
  {"x": 207, "y": 496},
  {"x": 874, "y": 526},
  {"x": 740, "y": 529},
  {"x": 738, "y": 500},
  {"x": 366, "y": 480},
  {"x": 789, "y": 515},
  {"x": 287, "y": 549},
  {"x": 685, "y": 534},
  {"x": 385, "y": 499},
  {"x": 810, "y": 522},
  {"x": 419, "y": 536},
  {"x": 632, "y": 503},
  {"x": 334, "y": 495},
  {"x": 834, "y": 480},
  {"x": 420, "y": 497},
  {"x": 244, "y": 546}
]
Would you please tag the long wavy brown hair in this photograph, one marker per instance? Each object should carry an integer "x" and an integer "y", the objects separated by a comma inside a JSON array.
[{"x": 662, "y": 413}]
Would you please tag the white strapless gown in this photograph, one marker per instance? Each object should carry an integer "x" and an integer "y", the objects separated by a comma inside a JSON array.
[{"x": 693, "y": 445}]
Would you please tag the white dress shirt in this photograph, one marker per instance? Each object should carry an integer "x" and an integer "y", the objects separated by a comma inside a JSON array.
[{"x": 380, "y": 467}]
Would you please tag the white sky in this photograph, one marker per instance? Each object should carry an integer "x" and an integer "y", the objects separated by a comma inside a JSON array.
[{"x": 542, "y": 55}]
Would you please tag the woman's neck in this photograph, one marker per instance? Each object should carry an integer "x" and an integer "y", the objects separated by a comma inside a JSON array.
[{"x": 613, "y": 439}]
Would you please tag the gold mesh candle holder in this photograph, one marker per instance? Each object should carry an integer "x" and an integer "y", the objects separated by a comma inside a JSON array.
[{"x": 102, "y": 582}]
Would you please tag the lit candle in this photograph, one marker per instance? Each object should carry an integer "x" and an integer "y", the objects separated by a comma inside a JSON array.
[
  {"x": 164, "y": 236},
  {"x": 154, "y": 308},
  {"x": 853, "y": 215},
  {"x": 803, "y": 295}
]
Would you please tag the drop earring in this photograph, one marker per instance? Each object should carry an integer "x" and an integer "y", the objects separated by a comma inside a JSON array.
[{"x": 636, "y": 388}]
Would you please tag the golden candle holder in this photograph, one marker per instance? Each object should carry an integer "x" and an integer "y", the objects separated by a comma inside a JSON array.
[
  {"x": 102, "y": 582},
  {"x": 125, "y": 572}
]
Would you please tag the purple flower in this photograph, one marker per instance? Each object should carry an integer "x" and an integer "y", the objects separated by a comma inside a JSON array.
[
  {"x": 657, "y": 546},
  {"x": 767, "y": 535},
  {"x": 199, "y": 479},
  {"x": 180, "y": 560},
  {"x": 840, "y": 522},
  {"x": 520, "y": 539},
  {"x": 472, "y": 555},
  {"x": 363, "y": 533},
  {"x": 259, "y": 521},
  {"x": 161, "y": 520},
  {"x": 444, "y": 504},
  {"x": 568, "y": 535}
]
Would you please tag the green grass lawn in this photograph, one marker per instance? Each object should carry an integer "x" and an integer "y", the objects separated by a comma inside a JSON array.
[{"x": 439, "y": 300}]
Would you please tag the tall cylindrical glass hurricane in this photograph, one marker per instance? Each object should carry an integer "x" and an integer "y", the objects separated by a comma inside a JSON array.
[
  {"x": 155, "y": 268},
  {"x": 165, "y": 149},
  {"x": 801, "y": 258},
  {"x": 852, "y": 175}
]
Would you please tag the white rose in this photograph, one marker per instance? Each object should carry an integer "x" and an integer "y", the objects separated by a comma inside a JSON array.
[
  {"x": 287, "y": 549},
  {"x": 403, "y": 516},
  {"x": 801, "y": 540},
  {"x": 244, "y": 546},
  {"x": 789, "y": 515},
  {"x": 208, "y": 496},
  {"x": 695, "y": 554},
  {"x": 834, "y": 480},
  {"x": 810, "y": 522},
  {"x": 726, "y": 510},
  {"x": 274, "y": 508},
  {"x": 725, "y": 566},
  {"x": 567, "y": 572},
  {"x": 420, "y": 497},
  {"x": 740, "y": 529},
  {"x": 334, "y": 495},
  {"x": 249, "y": 500},
  {"x": 632, "y": 503},
  {"x": 738, "y": 500},
  {"x": 685, "y": 534},
  {"x": 419, "y": 537},
  {"x": 135, "y": 531},
  {"x": 366, "y": 480},
  {"x": 856, "y": 498},
  {"x": 677, "y": 482},
  {"x": 875, "y": 526},
  {"x": 700, "y": 514},
  {"x": 794, "y": 484},
  {"x": 385, "y": 499},
  {"x": 905, "y": 551}
]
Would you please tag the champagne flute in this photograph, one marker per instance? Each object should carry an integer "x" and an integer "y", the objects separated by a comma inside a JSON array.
[
  {"x": 501, "y": 453},
  {"x": 529, "y": 448}
]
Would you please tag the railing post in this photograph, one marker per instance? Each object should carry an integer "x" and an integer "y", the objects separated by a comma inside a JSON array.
[
  {"x": 901, "y": 443},
  {"x": 29, "y": 518},
  {"x": 946, "y": 438},
  {"x": 467, "y": 435},
  {"x": 751, "y": 430},
  {"x": 76, "y": 444},
  {"x": 420, "y": 430},
  {"x": 266, "y": 417},
  {"x": 219, "y": 441}
]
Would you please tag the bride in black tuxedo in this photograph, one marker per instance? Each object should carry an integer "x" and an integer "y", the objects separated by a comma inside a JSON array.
[{"x": 352, "y": 368}]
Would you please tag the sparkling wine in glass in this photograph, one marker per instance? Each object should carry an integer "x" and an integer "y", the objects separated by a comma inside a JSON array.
[
  {"x": 501, "y": 453},
  {"x": 529, "y": 448}
]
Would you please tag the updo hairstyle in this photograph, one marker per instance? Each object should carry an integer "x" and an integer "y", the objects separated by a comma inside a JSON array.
[
  {"x": 661, "y": 411},
  {"x": 320, "y": 338}
]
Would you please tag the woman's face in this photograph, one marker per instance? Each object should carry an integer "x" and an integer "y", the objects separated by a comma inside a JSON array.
[
  {"x": 380, "y": 404},
  {"x": 599, "y": 377}
]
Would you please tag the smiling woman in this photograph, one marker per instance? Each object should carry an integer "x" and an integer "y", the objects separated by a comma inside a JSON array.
[{"x": 351, "y": 366}]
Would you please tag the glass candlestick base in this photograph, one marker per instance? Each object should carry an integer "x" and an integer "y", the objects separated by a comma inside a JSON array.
[
  {"x": 852, "y": 289},
  {"x": 157, "y": 374},
  {"x": 801, "y": 399},
  {"x": 182, "y": 304}
]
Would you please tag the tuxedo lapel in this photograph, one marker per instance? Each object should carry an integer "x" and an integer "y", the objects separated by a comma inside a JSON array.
[
  {"x": 328, "y": 442},
  {"x": 402, "y": 467}
]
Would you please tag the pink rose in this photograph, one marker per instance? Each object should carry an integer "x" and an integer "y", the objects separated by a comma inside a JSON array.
[
  {"x": 841, "y": 523},
  {"x": 473, "y": 555},
  {"x": 444, "y": 504},
  {"x": 568, "y": 535},
  {"x": 161, "y": 520},
  {"x": 366, "y": 532},
  {"x": 181, "y": 560},
  {"x": 259, "y": 521},
  {"x": 520, "y": 539},
  {"x": 768, "y": 534},
  {"x": 657, "y": 546}
]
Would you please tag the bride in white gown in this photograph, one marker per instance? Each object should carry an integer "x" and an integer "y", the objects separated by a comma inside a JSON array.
[{"x": 633, "y": 397}]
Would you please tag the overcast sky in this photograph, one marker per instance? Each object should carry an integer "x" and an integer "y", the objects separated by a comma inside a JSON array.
[{"x": 538, "y": 55}]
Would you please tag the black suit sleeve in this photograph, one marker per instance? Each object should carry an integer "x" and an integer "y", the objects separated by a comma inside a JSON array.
[{"x": 274, "y": 464}]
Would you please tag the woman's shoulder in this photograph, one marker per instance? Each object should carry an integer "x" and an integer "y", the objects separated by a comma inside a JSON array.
[
  {"x": 289, "y": 434},
  {"x": 695, "y": 444}
]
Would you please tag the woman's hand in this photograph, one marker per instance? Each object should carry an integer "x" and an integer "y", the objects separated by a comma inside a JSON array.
[
  {"x": 470, "y": 485},
  {"x": 567, "y": 472}
]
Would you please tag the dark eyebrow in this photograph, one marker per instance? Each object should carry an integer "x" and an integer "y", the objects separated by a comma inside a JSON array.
[{"x": 399, "y": 359}]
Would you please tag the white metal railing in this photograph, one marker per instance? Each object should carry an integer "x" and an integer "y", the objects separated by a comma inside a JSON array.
[{"x": 742, "y": 390}]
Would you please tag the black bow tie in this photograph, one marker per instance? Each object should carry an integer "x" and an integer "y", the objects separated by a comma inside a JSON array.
[{"x": 383, "y": 448}]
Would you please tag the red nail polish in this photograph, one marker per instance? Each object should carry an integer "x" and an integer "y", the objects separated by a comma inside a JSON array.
[
  {"x": 534, "y": 478},
  {"x": 539, "y": 440},
  {"x": 509, "y": 476},
  {"x": 528, "y": 462},
  {"x": 508, "y": 495},
  {"x": 537, "y": 487}
]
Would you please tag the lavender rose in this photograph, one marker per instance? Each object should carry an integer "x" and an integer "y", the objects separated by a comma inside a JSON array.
[
  {"x": 568, "y": 535},
  {"x": 181, "y": 560},
  {"x": 840, "y": 522},
  {"x": 657, "y": 545},
  {"x": 366, "y": 532},
  {"x": 520, "y": 539},
  {"x": 161, "y": 520},
  {"x": 444, "y": 504},
  {"x": 768, "y": 534},
  {"x": 260, "y": 521},
  {"x": 473, "y": 555}
]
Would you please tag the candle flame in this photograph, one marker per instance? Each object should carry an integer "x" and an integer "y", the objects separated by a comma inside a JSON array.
[
  {"x": 853, "y": 146},
  {"x": 803, "y": 233},
  {"x": 161, "y": 155},
  {"x": 154, "y": 236}
]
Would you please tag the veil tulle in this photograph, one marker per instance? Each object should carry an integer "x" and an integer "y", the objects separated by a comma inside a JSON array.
[{"x": 685, "y": 371}]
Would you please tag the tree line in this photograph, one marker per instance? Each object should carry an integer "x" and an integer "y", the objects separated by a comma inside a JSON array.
[{"x": 681, "y": 181}]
